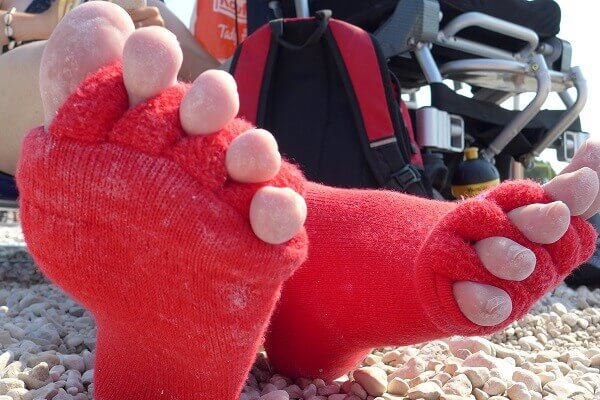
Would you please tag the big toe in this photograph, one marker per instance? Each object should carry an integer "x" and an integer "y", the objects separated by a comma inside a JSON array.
[{"x": 89, "y": 37}]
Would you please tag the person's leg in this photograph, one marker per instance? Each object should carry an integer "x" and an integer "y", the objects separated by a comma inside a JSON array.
[
  {"x": 149, "y": 204},
  {"x": 20, "y": 102}
]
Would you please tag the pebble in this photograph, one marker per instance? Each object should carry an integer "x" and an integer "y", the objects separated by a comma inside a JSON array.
[
  {"x": 518, "y": 391},
  {"x": 553, "y": 353},
  {"x": 473, "y": 344},
  {"x": 398, "y": 386},
  {"x": 276, "y": 395},
  {"x": 357, "y": 390},
  {"x": 477, "y": 375},
  {"x": 494, "y": 386},
  {"x": 480, "y": 394},
  {"x": 73, "y": 361},
  {"x": 7, "y": 384},
  {"x": 528, "y": 378},
  {"x": 481, "y": 359},
  {"x": 426, "y": 391},
  {"x": 559, "y": 308},
  {"x": 49, "y": 390},
  {"x": 6, "y": 358},
  {"x": 372, "y": 379},
  {"x": 460, "y": 385},
  {"x": 413, "y": 367},
  {"x": 74, "y": 382},
  {"x": 38, "y": 377},
  {"x": 569, "y": 319},
  {"x": 563, "y": 389},
  {"x": 13, "y": 369},
  {"x": 17, "y": 393}
]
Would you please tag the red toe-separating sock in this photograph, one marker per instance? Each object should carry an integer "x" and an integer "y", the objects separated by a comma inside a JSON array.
[
  {"x": 381, "y": 267},
  {"x": 181, "y": 288}
]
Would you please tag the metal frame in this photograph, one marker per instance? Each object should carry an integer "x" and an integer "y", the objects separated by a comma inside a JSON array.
[
  {"x": 447, "y": 36},
  {"x": 528, "y": 63}
]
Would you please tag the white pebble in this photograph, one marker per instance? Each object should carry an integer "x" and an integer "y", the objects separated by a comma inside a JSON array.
[
  {"x": 372, "y": 379},
  {"x": 480, "y": 359},
  {"x": 398, "y": 386},
  {"x": 410, "y": 370},
  {"x": 7, "y": 384},
  {"x": 494, "y": 387},
  {"x": 473, "y": 344},
  {"x": 477, "y": 375},
  {"x": 426, "y": 390},
  {"x": 460, "y": 385},
  {"x": 530, "y": 379},
  {"x": 518, "y": 391},
  {"x": 276, "y": 395}
]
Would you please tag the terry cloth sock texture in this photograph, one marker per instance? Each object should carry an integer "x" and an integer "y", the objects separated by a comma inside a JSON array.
[
  {"x": 139, "y": 223},
  {"x": 380, "y": 271}
]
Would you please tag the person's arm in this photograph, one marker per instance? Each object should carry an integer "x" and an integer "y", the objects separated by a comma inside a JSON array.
[
  {"x": 195, "y": 59},
  {"x": 27, "y": 27}
]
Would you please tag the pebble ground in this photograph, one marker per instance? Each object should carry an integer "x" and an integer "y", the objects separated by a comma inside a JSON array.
[{"x": 47, "y": 344}]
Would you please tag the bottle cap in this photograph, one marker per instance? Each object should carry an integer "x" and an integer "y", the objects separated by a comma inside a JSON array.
[{"x": 471, "y": 153}]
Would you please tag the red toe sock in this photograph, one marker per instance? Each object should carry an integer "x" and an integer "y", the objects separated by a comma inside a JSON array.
[
  {"x": 381, "y": 267},
  {"x": 139, "y": 224}
]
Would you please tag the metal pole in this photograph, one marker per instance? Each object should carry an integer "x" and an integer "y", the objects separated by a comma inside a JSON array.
[{"x": 302, "y": 10}]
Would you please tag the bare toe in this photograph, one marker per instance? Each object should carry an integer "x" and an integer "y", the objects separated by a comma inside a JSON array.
[
  {"x": 253, "y": 157},
  {"x": 277, "y": 214},
  {"x": 578, "y": 190},
  {"x": 587, "y": 156},
  {"x": 151, "y": 60},
  {"x": 483, "y": 305},
  {"x": 542, "y": 223},
  {"x": 89, "y": 37},
  {"x": 505, "y": 258},
  {"x": 210, "y": 103}
]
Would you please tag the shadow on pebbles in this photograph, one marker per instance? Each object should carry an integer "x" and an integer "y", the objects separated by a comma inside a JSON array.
[{"x": 47, "y": 346}]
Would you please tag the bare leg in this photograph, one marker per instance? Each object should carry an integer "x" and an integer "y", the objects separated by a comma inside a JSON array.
[{"x": 20, "y": 100}]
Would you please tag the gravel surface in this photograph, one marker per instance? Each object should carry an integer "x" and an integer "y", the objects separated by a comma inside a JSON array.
[{"x": 47, "y": 346}]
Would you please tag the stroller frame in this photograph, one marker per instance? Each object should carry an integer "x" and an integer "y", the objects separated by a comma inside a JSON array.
[{"x": 414, "y": 28}]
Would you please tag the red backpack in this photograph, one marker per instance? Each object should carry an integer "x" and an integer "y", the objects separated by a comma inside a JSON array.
[{"x": 322, "y": 87}]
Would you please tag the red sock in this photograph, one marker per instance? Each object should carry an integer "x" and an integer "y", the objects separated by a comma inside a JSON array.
[
  {"x": 136, "y": 222},
  {"x": 381, "y": 267}
]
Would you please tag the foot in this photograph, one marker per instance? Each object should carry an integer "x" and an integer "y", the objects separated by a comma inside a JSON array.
[
  {"x": 390, "y": 269},
  {"x": 146, "y": 201}
]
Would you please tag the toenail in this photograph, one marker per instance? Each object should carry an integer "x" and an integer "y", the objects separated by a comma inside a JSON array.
[{"x": 495, "y": 304}]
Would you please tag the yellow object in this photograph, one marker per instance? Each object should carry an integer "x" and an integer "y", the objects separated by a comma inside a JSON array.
[
  {"x": 461, "y": 191},
  {"x": 474, "y": 175},
  {"x": 471, "y": 153}
]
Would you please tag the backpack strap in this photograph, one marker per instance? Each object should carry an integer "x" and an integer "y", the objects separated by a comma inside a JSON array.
[
  {"x": 251, "y": 66},
  {"x": 376, "y": 112}
]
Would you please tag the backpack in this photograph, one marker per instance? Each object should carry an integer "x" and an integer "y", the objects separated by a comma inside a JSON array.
[{"x": 322, "y": 87}]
